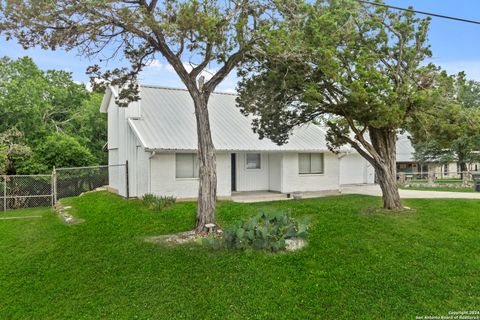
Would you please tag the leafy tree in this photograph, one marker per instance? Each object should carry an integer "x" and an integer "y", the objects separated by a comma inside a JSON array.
[
  {"x": 89, "y": 127},
  {"x": 450, "y": 131},
  {"x": 190, "y": 35},
  {"x": 39, "y": 103},
  {"x": 356, "y": 67},
  {"x": 12, "y": 150},
  {"x": 61, "y": 150}
]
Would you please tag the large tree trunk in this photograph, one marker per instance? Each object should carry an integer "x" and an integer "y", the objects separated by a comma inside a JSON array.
[
  {"x": 207, "y": 190},
  {"x": 384, "y": 142}
]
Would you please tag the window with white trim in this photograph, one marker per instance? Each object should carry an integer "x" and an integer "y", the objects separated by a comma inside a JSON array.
[
  {"x": 186, "y": 165},
  {"x": 253, "y": 161},
  {"x": 310, "y": 163}
]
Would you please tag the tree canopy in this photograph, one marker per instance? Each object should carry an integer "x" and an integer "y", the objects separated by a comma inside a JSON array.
[
  {"x": 40, "y": 107},
  {"x": 358, "y": 68},
  {"x": 450, "y": 132}
]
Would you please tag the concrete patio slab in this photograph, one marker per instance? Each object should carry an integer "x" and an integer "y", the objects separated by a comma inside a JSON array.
[{"x": 265, "y": 196}]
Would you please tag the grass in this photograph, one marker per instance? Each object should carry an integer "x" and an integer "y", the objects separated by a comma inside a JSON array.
[
  {"x": 439, "y": 181},
  {"x": 357, "y": 265},
  {"x": 440, "y": 189}
]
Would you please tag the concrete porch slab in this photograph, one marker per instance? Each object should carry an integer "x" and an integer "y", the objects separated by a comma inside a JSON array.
[{"x": 265, "y": 196}]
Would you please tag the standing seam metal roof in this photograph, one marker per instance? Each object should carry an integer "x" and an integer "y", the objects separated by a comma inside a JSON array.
[{"x": 168, "y": 123}]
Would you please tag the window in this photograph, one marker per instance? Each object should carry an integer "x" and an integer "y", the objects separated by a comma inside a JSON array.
[
  {"x": 186, "y": 165},
  {"x": 253, "y": 161},
  {"x": 310, "y": 163},
  {"x": 445, "y": 169}
]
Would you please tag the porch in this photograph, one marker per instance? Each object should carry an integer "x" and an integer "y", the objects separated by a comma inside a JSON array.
[{"x": 267, "y": 196}]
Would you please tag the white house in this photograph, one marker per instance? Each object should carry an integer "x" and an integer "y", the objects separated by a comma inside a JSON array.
[{"x": 157, "y": 136}]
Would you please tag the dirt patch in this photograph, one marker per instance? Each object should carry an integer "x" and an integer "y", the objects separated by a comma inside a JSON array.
[
  {"x": 370, "y": 210},
  {"x": 176, "y": 238}
]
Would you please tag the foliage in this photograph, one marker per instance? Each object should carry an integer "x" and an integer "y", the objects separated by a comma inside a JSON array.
[
  {"x": 372, "y": 266},
  {"x": 58, "y": 150},
  {"x": 451, "y": 131},
  {"x": 158, "y": 203},
  {"x": 12, "y": 150},
  {"x": 356, "y": 67},
  {"x": 40, "y": 104},
  {"x": 266, "y": 231},
  {"x": 191, "y": 35}
]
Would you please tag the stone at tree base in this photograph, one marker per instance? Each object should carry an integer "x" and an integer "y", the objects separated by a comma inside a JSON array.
[{"x": 295, "y": 244}]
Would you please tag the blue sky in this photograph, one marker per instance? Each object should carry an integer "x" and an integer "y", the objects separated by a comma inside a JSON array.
[{"x": 455, "y": 46}]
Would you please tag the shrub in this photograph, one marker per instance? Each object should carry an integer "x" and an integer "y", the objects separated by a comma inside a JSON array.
[
  {"x": 262, "y": 232},
  {"x": 158, "y": 203}
]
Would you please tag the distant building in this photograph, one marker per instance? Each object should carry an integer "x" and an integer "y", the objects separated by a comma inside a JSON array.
[{"x": 407, "y": 164}]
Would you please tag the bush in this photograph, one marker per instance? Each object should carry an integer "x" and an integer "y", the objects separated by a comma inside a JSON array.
[
  {"x": 158, "y": 203},
  {"x": 262, "y": 232}
]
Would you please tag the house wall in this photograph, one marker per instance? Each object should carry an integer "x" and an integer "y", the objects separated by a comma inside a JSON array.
[
  {"x": 142, "y": 171},
  {"x": 252, "y": 179},
  {"x": 163, "y": 181},
  {"x": 113, "y": 172},
  {"x": 292, "y": 181},
  {"x": 122, "y": 147},
  {"x": 354, "y": 169},
  {"x": 275, "y": 171}
]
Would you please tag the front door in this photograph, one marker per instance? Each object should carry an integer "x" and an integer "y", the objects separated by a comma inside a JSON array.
[{"x": 234, "y": 172}]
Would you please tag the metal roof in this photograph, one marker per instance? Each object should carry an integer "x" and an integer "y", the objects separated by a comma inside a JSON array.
[{"x": 168, "y": 123}]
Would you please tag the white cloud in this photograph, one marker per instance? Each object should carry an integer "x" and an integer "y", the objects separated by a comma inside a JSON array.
[{"x": 155, "y": 63}]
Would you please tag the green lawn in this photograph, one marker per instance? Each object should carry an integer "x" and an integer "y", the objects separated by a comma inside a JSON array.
[
  {"x": 439, "y": 181},
  {"x": 439, "y": 189},
  {"x": 357, "y": 265}
]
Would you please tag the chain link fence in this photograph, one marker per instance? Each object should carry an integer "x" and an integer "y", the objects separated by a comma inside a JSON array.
[{"x": 28, "y": 191}]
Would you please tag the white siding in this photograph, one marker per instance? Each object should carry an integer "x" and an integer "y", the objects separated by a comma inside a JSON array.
[
  {"x": 252, "y": 179},
  {"x": 354, "y": 169},
  {"x": 122, "y": 145},
  {"x": 293, "y": 181},
  {"x": 275, "y": 171},
  {"x": 164, "y": 182},
  {"x": 142, "y": 171},
  {"x": 112, "y": 125},
  {"x": 113, "y": 172}
]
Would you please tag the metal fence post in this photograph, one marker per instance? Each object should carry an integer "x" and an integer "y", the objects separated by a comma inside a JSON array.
[
  {"x": 5, "y": 193},
  {"x": 127, "y": 188},
  {"x": 54, "y": 186}
]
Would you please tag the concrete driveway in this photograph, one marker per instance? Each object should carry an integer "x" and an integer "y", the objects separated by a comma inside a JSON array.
[{"x": 374, "y": 190}]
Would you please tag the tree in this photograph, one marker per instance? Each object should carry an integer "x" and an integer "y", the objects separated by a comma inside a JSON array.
[
  {"x": 449, "y": 132},
  {"x": 61, "y": 150},
  {"x": 356, "y": 67},
  {"x": 12, "y": 150},
  {"x": 190, "y": 35},
  {"x": 40, "y": 103}
]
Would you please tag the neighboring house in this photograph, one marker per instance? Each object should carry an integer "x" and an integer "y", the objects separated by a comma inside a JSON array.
[
  {"x": 158, "y": 137},
  {"x": 406, "y": 162}
]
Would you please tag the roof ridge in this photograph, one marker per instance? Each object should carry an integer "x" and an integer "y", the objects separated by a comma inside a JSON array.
[{"x": 154, "y": 86}]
